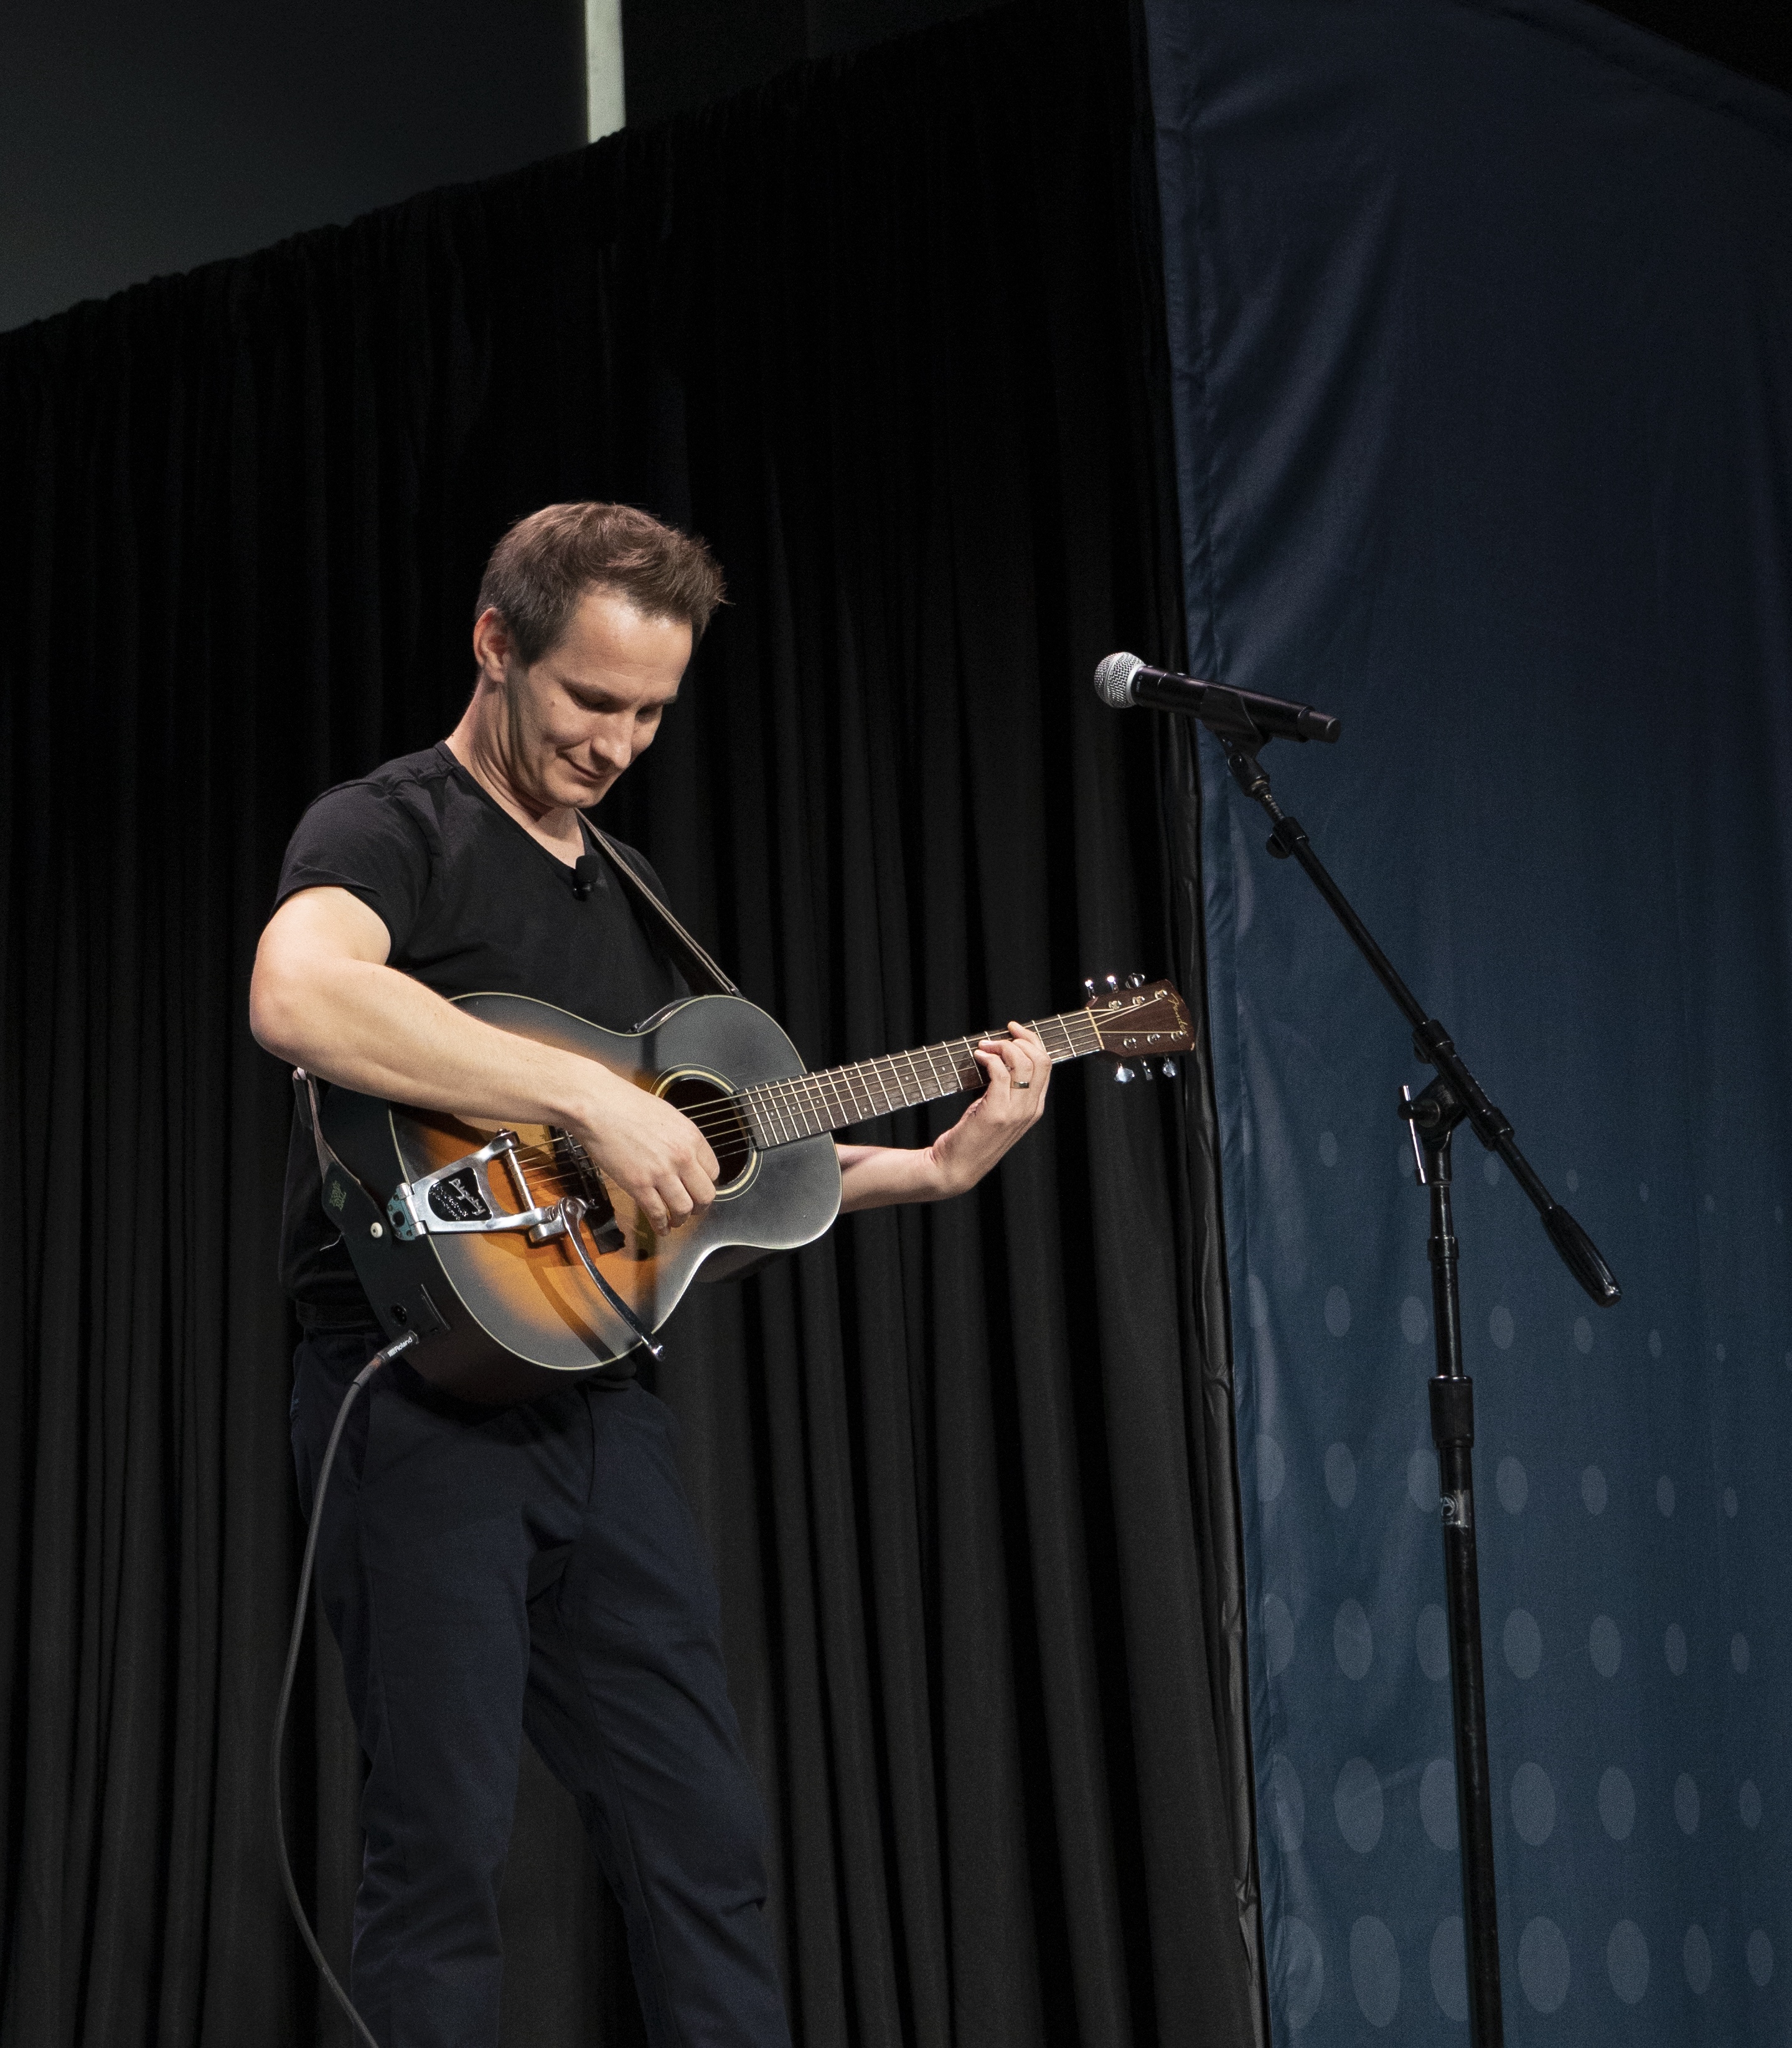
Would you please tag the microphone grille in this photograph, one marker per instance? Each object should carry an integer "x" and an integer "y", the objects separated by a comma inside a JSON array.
[{"x": 1113, "y": 680}]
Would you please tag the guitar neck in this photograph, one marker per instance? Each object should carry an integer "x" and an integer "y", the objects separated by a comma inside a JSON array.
[{"x": 806, "y": 1105}]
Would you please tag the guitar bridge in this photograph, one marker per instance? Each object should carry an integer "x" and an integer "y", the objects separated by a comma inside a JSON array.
[{"x": 599, "y": 1211}]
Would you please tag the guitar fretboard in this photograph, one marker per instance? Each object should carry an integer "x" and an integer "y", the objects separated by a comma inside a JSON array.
[{"x": 805, "y": 1105}]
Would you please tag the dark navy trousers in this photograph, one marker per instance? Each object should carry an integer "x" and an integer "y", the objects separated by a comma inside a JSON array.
[{"x": 537, "y": 1568}]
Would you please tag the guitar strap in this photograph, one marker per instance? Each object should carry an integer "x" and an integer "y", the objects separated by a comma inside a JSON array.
[
  {"x": 305, "y": 1088},
  {"x": 705, "y": 977}
]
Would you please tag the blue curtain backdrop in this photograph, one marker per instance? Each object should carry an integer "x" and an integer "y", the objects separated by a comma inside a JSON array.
[{"x": 1483, "y": 329}]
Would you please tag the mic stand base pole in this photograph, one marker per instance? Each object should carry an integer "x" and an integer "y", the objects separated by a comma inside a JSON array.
[
  {"x": 1452, "y": 1097},
  {"x": 1434, "y": 1115}
]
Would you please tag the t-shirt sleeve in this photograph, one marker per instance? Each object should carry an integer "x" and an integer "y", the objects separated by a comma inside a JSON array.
[{"x": 360, "y": 838}]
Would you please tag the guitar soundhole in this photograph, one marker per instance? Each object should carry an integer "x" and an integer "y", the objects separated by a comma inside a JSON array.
[{"x": 709, "y": 1106}]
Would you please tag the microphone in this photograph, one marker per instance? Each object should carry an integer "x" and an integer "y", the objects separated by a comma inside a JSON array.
[
  {"x": 587, "y": 870},
  {"x": 1123, "y": 680}
]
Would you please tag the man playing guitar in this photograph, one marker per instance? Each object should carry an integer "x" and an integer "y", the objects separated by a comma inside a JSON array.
[{"x": 490, "y": 1571}]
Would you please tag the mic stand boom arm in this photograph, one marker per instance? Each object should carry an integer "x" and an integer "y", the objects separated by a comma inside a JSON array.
[
  {"x": 1453, "y": 1096},
  {"x": 1432, "y": 1044}
]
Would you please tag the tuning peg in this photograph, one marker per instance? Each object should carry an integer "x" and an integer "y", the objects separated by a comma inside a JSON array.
[
  {"x": 1135, "y": 981},
  {"x": 1146, "y": 1071},
  {"x": 1167, "y": 1068},
  {"x": 1123, "y": 1072},
  {"x": 1088, "y": 983},
  {"x": 1113, "y": 984}
]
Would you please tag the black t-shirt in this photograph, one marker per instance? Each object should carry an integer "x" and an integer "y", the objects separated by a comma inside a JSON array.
[{"x": 472, "y": 902}]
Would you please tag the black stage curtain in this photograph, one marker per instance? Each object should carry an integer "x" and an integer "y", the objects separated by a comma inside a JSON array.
[{"x": 889, "y": 334}]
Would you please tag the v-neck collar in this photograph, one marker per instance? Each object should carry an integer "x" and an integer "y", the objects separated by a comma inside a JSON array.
[{"x": 565, "y": 869}]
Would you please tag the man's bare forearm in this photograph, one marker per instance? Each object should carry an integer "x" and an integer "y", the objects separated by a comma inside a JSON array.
[
  {"x": 1018, "y": 1071},
  {"x": 373, "y": 1028},
  {"x": 874, "y": 1176}
]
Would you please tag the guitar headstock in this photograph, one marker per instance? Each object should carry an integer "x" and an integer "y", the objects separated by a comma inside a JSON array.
[{"x": 1139, "y": 1019}]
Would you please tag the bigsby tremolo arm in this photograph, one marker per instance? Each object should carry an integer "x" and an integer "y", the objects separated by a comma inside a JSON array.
[{"x": 573, "y": 1212}]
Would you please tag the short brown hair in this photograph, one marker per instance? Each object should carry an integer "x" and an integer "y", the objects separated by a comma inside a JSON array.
[{"x": 547, "y": 562}]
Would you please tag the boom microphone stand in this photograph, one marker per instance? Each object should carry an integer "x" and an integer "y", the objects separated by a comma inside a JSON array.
[{"x": 1452, "y": 1096}]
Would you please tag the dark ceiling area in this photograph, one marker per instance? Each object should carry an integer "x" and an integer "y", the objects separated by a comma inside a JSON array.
[
  {"x": 136, "y": 142},
  {"x": 678, "y": 54},
  {"x": 685, "y": 53}
]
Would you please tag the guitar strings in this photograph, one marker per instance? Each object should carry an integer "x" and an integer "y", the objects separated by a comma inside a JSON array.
[
  {"x": 731, "y": 1109},
  {"x": 797, "y": 1093},
  {"x": 793, "y": 1097}
]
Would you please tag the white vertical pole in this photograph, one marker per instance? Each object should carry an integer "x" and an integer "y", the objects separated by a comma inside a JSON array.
[{"x": 604, "y": 68}]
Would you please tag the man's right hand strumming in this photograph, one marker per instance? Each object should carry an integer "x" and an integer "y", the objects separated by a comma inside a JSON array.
[{"x": 653, "y": 1152}]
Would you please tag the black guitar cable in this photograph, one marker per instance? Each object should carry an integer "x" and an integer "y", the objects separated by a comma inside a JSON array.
[{"x": 373, "y": 1365}]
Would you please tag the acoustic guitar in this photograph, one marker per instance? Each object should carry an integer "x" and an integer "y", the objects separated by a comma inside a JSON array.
[{"x": 516, "y": 1264}]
